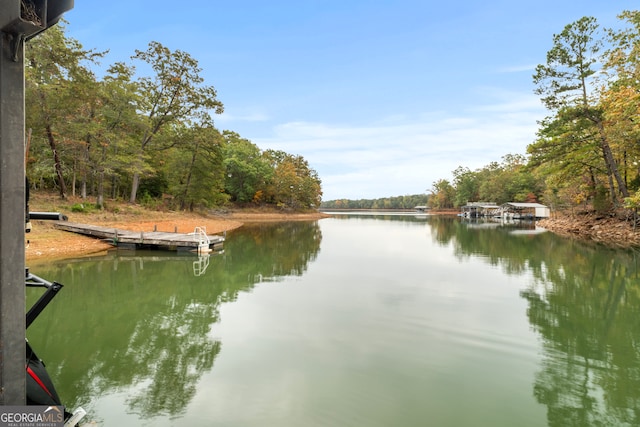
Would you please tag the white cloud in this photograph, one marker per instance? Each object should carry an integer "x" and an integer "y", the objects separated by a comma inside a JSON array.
[
  {"x": 400, "y": 155},
  {"x": 518, "y": 68}
]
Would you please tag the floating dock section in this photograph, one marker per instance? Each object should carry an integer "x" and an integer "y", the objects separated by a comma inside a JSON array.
[{"x": 198, "y": 241}]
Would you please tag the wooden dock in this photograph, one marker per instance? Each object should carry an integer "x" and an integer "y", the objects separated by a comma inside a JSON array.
[{"x": 198, "y": 241}]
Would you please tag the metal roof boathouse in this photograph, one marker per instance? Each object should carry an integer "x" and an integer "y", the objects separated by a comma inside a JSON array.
[
  {"x": 510, "y": 210},
  {"x": 517, "y": 210},
  {"x": 480, "y": 209}
]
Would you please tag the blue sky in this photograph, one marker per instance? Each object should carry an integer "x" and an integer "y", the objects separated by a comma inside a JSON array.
[{"x": 381, "y": 97}]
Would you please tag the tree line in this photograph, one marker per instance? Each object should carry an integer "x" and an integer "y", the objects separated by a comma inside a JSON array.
[
  {"x": 396, "y": 202},
  {"x": 144, "y": 138},
  {"x": 587, "y": 150}
]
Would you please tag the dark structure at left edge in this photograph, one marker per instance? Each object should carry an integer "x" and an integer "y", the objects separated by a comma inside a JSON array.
[{"x": 20, "y": 20}]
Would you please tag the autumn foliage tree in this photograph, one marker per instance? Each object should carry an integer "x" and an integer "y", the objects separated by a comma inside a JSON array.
[
  {"x": 580, "y": 138},
  {"x": 60, "y": 93},
  {"x": 148, "y": 138},
  {"x": 175, "y": 93}
]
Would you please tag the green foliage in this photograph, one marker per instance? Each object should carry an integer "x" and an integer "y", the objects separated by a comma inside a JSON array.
[
  {"x": 154, "y": 186},
  {"x": 397, "y": 202},
  {"x": 59, "y": 85},
  {"x": 246, "y": 170},
  {"x": 125, "y": 134},
  {"x": 169, "y": 99},
  {"x": 570, "y": 63},
  {"x": 632, "y": 202},
  {"x": 294, "y": 184},
  {"x": 467, "y": 186},
  {"x": 586, "y": 151},
  {"x": 569, "y": 88},
  {"x": 83, "y": 207},
  {"x": 509, "y": 181},
  {"x": 601, "y": 201},
  {"x": 443, "y": 195},
  {"x": 199, "y": 170},
  {"x": 148, "y": 138}
]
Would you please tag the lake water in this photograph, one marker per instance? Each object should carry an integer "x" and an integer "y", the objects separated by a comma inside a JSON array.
[{"x": 354, "y": 320}]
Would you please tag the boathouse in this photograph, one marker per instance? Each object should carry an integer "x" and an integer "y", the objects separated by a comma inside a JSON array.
[
  {"x": 479, "y": 209},
  {"x": 517, "y": 210}
]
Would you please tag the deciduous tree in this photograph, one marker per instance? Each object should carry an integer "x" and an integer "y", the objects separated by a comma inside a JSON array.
[
  {"x": 247, "y": 171},
  {"x": 196, "y": 170},
  {"x": 443, "y": 195},
  {"x": 60, "y": 92},
  {"x": 174, "y": 94}
]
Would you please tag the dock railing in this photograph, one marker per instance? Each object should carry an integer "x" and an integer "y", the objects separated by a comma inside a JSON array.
[{"x": 200, "y": 235}]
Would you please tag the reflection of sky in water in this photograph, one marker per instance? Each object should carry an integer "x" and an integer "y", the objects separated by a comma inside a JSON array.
[
  {"x": 381, "y": 317},
  {"x": 359, "y": 321}
]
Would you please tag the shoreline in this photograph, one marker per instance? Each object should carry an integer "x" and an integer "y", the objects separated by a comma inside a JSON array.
[
  {"x": 45, "y": 243},
  {"x": 611, "y": 231}
]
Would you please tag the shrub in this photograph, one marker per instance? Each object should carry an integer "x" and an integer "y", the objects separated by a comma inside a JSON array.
[{"x": 601, "y": 201}]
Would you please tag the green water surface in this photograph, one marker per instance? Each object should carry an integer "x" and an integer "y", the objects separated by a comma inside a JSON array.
[{"x": 351, "y": 321}]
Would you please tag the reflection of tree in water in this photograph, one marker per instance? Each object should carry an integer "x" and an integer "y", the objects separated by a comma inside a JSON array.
[
  {"x": 585, "y": 304},
  {"x": 137, "y": 323},
  {"x": 588, "y": 318},
  {"x": 164, "y": 369},
  {"x": 144, "y": 324},
  {"x": 443, "y": 228},
  {"x": 493, "y": 242},
  {"x": 275, "y": 250}
]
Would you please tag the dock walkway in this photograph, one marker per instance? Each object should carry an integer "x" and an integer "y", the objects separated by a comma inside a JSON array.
[{"x": 197, "y": 241}]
